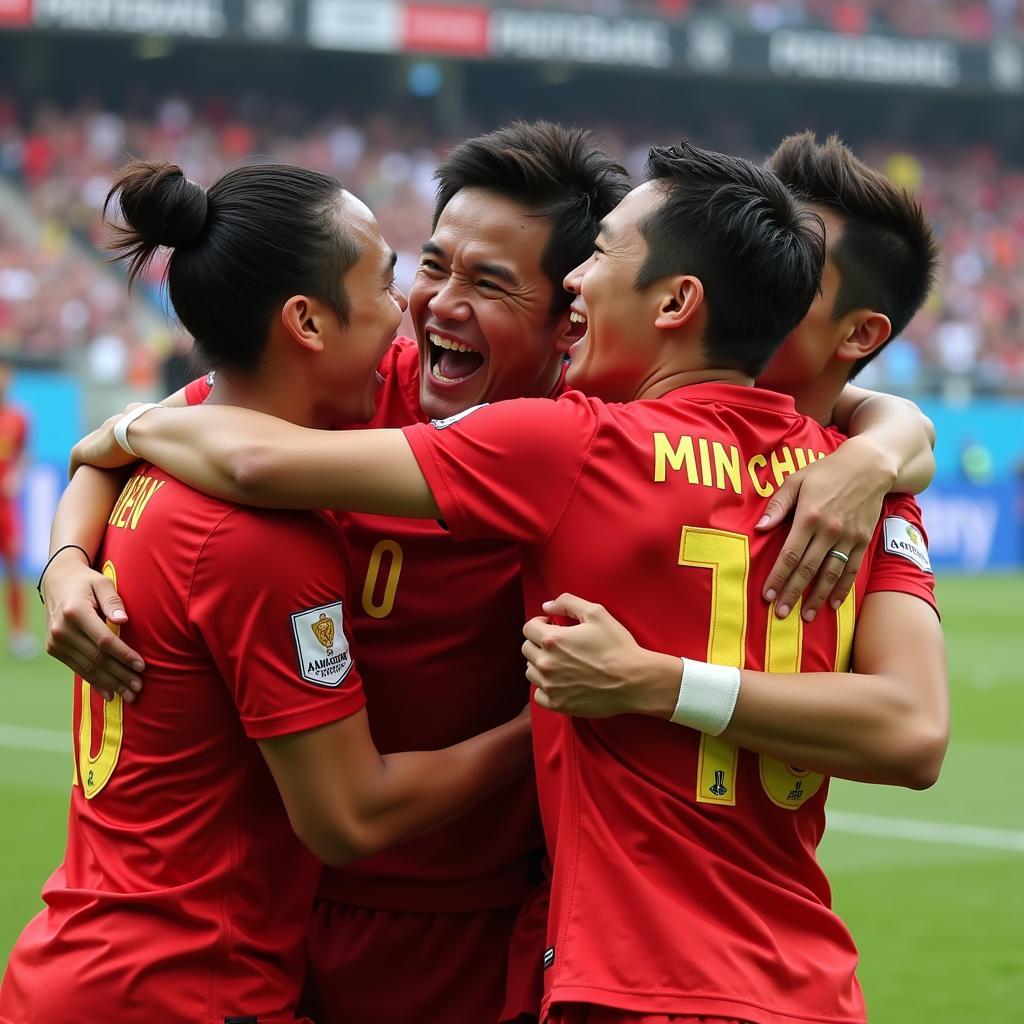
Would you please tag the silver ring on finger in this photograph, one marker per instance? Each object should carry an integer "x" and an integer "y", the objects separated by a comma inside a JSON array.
[{"x": 838, "y": 554}]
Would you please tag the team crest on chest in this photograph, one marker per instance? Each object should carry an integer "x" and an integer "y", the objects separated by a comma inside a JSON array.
[{"x": 321, "y": 645}]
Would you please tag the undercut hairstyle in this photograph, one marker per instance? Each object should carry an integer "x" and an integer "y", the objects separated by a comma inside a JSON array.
[
  {"x": 887, "y": 254},
  {"x": 259, "y": 235},
  {"x": 755, "y": 248},
  {"x": 554, "y": 172}
]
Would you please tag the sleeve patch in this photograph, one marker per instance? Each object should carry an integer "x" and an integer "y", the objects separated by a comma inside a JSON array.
[
  {"x": 449, "y": 420},
  {"x": 321, "y": 645},
  {"x": 904, "y": 539}
]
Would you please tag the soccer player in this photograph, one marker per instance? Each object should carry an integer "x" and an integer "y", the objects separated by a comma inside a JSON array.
[
  {"x": 13, "y": 450},
  {"x": 881, "y": 260},
  {"x": 662, "y": 902},
  {"x": 184, "y": 894},
  {"x": 517, "y": 209}
]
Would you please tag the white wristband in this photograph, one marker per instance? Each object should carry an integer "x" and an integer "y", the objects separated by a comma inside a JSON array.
[
  {"x": 122, "y": 425},
  {"x": 707, "y": 696}
]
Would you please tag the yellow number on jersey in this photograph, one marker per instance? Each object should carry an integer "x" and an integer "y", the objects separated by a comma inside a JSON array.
[
  {"x": 382, "y": 609},
  {"x": 94, "y": 772},
  {"x": 727, "y": 555}
]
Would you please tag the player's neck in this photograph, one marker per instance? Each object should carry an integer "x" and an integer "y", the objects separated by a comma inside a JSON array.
[
  {"x": 661, "y": 385},
  {"x": 818, "y": 397},
  {"x": 267, "y": 393}
]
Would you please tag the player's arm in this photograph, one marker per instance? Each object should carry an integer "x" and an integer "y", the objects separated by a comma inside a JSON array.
[
  {"x": 253, "y": 459},
  {"x": 345, "y": 800},
  {"x": 885, "y": 722},
  {"x": 838, "y": 500},
  {"x": 78, "y": 599}
]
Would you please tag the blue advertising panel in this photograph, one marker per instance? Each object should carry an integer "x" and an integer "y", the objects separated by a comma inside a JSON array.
[{"x": 974, "y": 529}]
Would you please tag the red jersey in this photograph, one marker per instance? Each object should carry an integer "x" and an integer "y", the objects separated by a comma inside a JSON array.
[
  {"x": 439, "y": 629},
  {"x": 13, "y": 437},
  {"x": 684, "y": 872},
  {"x": 184, "y": 895}
]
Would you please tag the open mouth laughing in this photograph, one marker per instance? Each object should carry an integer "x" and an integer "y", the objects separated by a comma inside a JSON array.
[{"x": 451, "y": 361}]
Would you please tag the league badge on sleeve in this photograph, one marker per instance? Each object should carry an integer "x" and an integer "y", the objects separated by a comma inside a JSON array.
[
  {"x": 449, "y": 420},
  {"x": 904, "y": 539},
  {"x": 321, "y": 645}
]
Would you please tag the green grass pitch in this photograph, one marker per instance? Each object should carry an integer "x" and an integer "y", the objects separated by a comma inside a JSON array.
[{"x": 937, "y": 909}]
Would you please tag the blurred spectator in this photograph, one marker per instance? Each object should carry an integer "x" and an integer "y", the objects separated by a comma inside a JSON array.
[{"x": 55, "y": 297}]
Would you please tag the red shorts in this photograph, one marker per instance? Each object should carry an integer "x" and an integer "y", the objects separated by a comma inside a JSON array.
[
  {"x": 10, "y": 534},
  {"x": 390, "y": 967},
  {"x": 587, "y": 1013}
]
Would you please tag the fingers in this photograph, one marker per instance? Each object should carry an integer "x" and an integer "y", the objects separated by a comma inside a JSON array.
[
  {"x": 112, "y": 607},
  {"x": 841, "y": 588},
  {"x": 572, "y": 607},
  {"x": 534, "y": 630},
  {"x": 82, "y": 620},
  {"x": 781, "y": 503},
  {"x": 782, "y": 575},
  {"x": 805, "y": 570},
  {"x": 98, "y": 669}
]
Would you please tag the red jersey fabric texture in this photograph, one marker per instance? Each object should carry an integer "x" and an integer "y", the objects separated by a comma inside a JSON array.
[
  {"x": 184, "y": 894},
  {"x": 438, "y": 625},
  {"x": 684, "y": 872}
]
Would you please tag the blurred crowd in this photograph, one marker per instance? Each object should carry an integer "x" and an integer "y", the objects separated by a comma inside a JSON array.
[
  {"x": 58, "y": 298},
  {"x": 976, "y": 20}
]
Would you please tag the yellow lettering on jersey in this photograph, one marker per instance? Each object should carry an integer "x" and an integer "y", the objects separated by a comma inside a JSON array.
[
  {"x": 766, "y": 490},
  {"x": 783, "y": 784},
  {"x": 727, "y": 465},
  {"x": 677, "y": 458},
  {"x": 95, "y": 771},
  {"x": 144, "y": 500},
  {"x": 782, "y": 465},
  {"x": 705, "y": 461},
  {"x": 137, "y": 494},
  {"x": 801, "y": 457},
  {"x": 129, "y": 490}
]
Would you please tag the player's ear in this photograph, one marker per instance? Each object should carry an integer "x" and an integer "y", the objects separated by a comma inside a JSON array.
[
  {"x": 302, "y": 319},
  {"x": 678, "y": 301},
  {"x": 869, "y": 331}
]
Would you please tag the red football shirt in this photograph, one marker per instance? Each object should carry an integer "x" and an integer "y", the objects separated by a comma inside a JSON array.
[
  {"x": 13, "y": 435},
  {"x": 184, "y": 895},
  {"x": 439, "y": 628},
  {"x": 684, "y": 871}
]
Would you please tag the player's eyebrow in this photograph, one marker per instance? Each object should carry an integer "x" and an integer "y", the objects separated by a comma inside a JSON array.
[
  {"x": 431, "y": 248},
  {"x": 502, "y": 273}
]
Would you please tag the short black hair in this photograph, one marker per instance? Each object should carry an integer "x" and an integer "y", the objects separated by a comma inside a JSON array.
[
  {"x": 555, "y": 172},
  {"x": 259, "y": 235},
  {"x": 887, "y": 255},
  {"x": 757, "y": 251}
]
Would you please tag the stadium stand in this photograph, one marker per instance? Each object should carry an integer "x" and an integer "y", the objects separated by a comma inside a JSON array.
[{"x": 971, "y": 334}]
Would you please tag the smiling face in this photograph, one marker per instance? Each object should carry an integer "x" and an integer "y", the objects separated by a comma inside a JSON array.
[
  {"x": 621, "y": 342},
  {"x": 481, "y": 305}
]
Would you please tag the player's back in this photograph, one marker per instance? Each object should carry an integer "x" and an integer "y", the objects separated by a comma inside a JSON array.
[
  {"x": 183, "y": 894},
  {"x": 685, "y": 879}
]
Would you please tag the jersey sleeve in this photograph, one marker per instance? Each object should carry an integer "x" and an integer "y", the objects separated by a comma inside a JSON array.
[
  {"x": 269, "y": 598},
  {"x": 900, "y": 560},
  {"x": 506, "y": 471},
  {"x": 198, "y": 390}
]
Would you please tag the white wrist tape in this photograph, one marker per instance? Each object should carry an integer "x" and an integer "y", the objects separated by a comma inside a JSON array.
[
  {"x": 707, "y": 696},
  {"x": 122, "y": 425}
]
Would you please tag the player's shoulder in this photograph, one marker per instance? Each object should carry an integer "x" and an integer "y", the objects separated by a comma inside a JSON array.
[{"x": 398, "y": 401}]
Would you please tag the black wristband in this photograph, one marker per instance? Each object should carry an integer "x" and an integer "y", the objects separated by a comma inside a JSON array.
[{"x": 39, "y": 585}]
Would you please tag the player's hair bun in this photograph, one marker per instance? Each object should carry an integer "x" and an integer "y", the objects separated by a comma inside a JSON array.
[{"x": 159, "y": 206}]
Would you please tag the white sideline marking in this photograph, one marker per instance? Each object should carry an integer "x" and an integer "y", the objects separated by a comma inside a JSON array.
[
  {"x": 20, "y": 737},
  {"x": 926, "y": 831}
]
